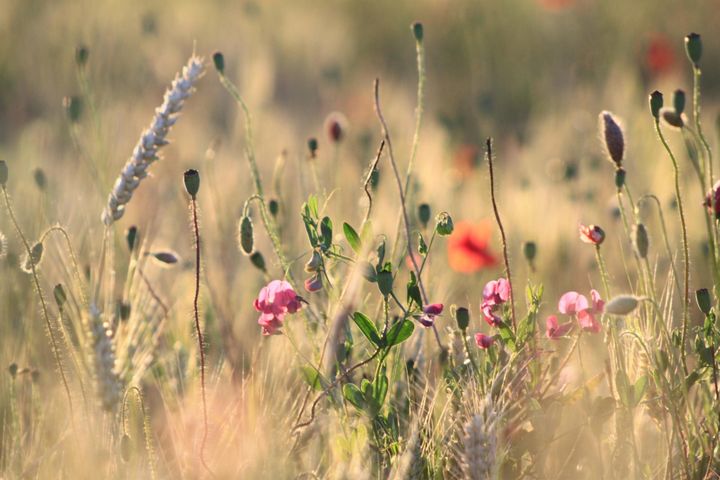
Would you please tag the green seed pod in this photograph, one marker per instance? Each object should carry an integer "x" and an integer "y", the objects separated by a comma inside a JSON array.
[
  {"x": 59, "y": 294},
  {"x": 693, "y": 48},
  {"x": 219, "y": 62},
  {"x": 312, "y": 146},
  {"x": 620, "y": 178},
  {"x": 640, "y": 240},
  {"x": 444, "y": 224},
  {"x": 258, "y": 261},
  {"x": 131, "y": 237},
  {"x": 192, "y": 182},
  {"x": 418, "y": 31},
  {"x": 704, "y": 302},
  {"x": 424, "y": 213},
  {"x": 81, "y": 55},
  {"x": 462, "y": 317},
  {"x": 40, "y": 179},
  {"x": 679, "y": 101},
  {"x": 13, "y": 369},
  {"x": 656, "y": 103},
  {"x": 3, "y": 173},
  {"x": 246, "y": 235},
  {"x": 125, "y": 447},
  {"x": 274, "y": 207},
  {"x": 73, "y": 108},
  {"x": 529, "y": 251}
]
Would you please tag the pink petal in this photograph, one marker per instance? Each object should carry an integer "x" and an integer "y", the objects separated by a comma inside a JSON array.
[
  {"x": 598, "y": 303},
  {"x": 572, "y": 302},
  {"x": 489, "y": 290},
  {"x": 433, "y": 309},
  {"x": 587, "y": 321},
  {"x": 503, "y": 289},
  {"x": 489, "y": 316},
  {"x": 427, "y": 320},
  {"x": 483, "y": 341}
]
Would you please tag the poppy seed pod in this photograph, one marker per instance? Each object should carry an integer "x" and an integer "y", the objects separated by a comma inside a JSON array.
[
  {"x": 620, "y": 178},
  {"x": 656, "y": 103},
  {"x": 693, "y": 48},
  {"x": 81, "y": 55},
  {"x": 418, "y": 31},
  {"x": 462, "y": 317},
  {"x": 679, "y": 101},
  {"x": 614, "y": 139},
  {"x": 529, "y": 251},
  {"x": 312, "y": 146},
  {"x": 219, "y": 62},
  {"x": 192, "y": 182}
]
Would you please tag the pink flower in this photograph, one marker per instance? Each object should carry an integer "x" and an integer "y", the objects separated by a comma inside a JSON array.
[
  {"x": 591, "y": 234},
  {"x": 314, "y": 283},
  {"x": 427, "y": 319},
  {"x": 572, "y": 303},
  {"x": 275, "y": 300},
  {"x": 553, "y": 330},
  {"x": 712, "y": 199},
  {"x": 484, "y": 341},
  {"x": 495, "y": 293}
]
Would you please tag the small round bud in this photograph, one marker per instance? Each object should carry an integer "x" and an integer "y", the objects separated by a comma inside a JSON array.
[
  {"x": 13, "y": 370},
  {"x": 60, "y": 296},
  {"x": 131, "y": 237},
  {"x": 3, "y": 173},
  {"x": 620, "y": 178},
  {"x": 274, "y": 207},
  {"x": 125, "y": 447},
  {"x": 73, "y": 108},
  {"x": 656, "y": 103},
  {"x": 640, "y": 241},
  {"x": 417, "y": 29},
  {"x": 219, "y": 62},
  {"x": 462, "y": 318},
  {"x": 192, "y": 182},
  {"x": 312, "y": 146},
  {"x": 40, "y": 178},
  {"x": 444, "y": 224},
  {"x": 622, "y": 305},
  {"x": 81, "y": 55},
  {"x": 693, "y": 48},
  {"x": 424, "y": 213},
  {"x": 679, "y": 101},
  {"x": 704, "y": 302},
  {"x": 529, "y": 251},
  {"x": 258, "y": 261},
  {"x": 246, "y": 235}
]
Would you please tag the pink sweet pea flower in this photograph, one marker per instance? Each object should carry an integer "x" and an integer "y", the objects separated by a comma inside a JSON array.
[
  {"x": 553, "y": 330},
  {"x": 573, "y": 303},
  {"x": 489, "y": 315},
  {"x": 484, "y": 341},
  {"x": 275, "y": 300},
  {"x": 427, "y": 319},
  {"x": 496, "y": 292}
]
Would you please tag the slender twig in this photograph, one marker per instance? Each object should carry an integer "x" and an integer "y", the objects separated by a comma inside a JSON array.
[
  {"x": 73, "y": 258},
  {"x": 366, "y": 184},
  {"x": 43, "y": 304},
  {"x": 196, "y": 314},
  {"x": 488, "y": 143},
  {"x": 686, "y": 252},
  {"x": 401, "y": 191},
  {"x": 665, "y": 236}
]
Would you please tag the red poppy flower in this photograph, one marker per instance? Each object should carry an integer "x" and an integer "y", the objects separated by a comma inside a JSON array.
[
  {"x": 556, "y": 4},
  {"x": 659, "y": 55},
  {"x": 469, "y": 247}
]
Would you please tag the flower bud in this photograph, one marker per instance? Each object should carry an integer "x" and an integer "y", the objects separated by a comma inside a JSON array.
[
  {"x": 622, "y": 305},
  {"x": 246, "y": 235},
  {"x": 444, "y": 224},
  {"x": 424, "y": 214},
  {"x": 73, "y": 108},
  {"x": 704, "y": 302},
  {"x": 314, "y": 283},
  {"x": 192, "y": 182},
  {"x": 656, "y": 103},
  {"x": 417, "y": 29},
  {"x": 529, "y": 251},
  {"x": 219, "y": 62},
  {"x": 125, "y": 311},
  {"x": 60, "y": 297},
  {"x": 614, "y": 139},
  {"x": 81, "y": 55},
  {"x": 672, "y": 118},
  {"x": 693, "y": 48},
  {"x": 312, "y": 146},
  {"x": 274, "y": 207},
  {"x": 334, "y": 126},
  {"x": 640, "y": 240},
  {"x": 40, "y": 178},
  {"x": 620, "y": 178},
  {"x": 679, "y": 101},
  {"x": 168, "y": 258},
  {"x": 462, "y": 317},
  {"x": 3, "y": 173},
  {"x": 131, "y": 237},
  {"x": 13, "y": 369},
  {"x": 258, "y": 261},
  {"x": 313, "y": 265}
]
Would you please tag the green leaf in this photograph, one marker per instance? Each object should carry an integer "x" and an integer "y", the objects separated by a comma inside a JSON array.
[
  {"x": 311, "y": 376},
  {"x": 385, "y": 280},
  {"x": 380, "y": 386},
  {"x": 399, "y": 332},
  {"x": 507, "y": 336},
  {"x": 368, "y": 328},
  {"x": 326, "y": 232},
  {"x": 381, "y": 255},
  {"x": 353, "y": 395},
  {"x": 422, "y": 246},
  {"x": 639, "y": 389},
  {"x": 312, "y": 205},
  {"x": 352, "y": 237},
  {"x": 413, "y": 290}
]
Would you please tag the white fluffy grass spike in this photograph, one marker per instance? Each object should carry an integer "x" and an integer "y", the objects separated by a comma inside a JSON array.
[
  {"x": 146, "y": 150},
  {"x": 480, "y": 445}
]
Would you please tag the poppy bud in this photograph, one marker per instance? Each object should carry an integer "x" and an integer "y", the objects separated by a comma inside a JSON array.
[
  {"x": 131, "y": 237},
  {"x": 656, "y": 103},
  {"x": 81, "y": 55},
  {"x": 462, "y": 318},
  {"x": 622, "y": 305},
  {"x": 192, "y": 182},
  {"x": 73, "y": 108},
  {"x": 258, "y": 261},
  {"x": 168, "y": 258},
  {"x": 614, "y": 139},
  {"x": 40, "y": 178},
  {"x": 424, "y": 214},
  {"x": 679, "y": 101},
  {"x": 702, "y": 296},
  {"x": 529, "y": 251},
  {"x": 13, "y": 369},
  {"x": 640, "y": 240},
  {"x": 60, "y": 297},
  {"x": 246, "y": 237},
  {"x": 274, "y": 207},
  {"x": 312, "y": 146},
  {"x": 672, "y": 118},
  {"x": 693, "y": 48},
  {"x": 620, "y": 178},
  {"x": 33, "y": 260},
  {"x": 417, "y": 29},
  {"x": 219, "y": 62}
]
